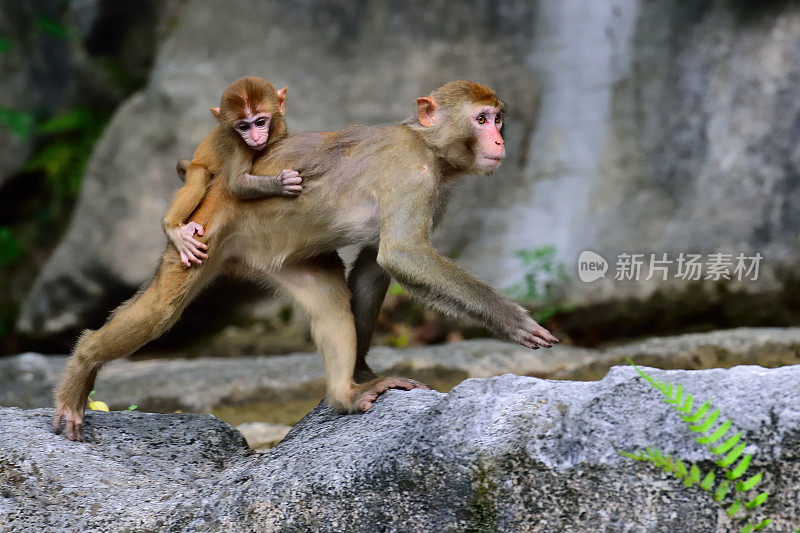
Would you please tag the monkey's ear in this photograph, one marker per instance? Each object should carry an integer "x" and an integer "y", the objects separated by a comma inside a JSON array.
[
  {"x": 426, "y": 111},
  {"x": 217, "y": 112},
  {"x": 282, "y": 100}
]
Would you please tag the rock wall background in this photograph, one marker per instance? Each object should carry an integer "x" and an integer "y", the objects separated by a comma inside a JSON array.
[{"x": 639, "y": 126}]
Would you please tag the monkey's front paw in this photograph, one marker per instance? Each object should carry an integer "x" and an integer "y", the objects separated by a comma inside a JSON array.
[
  {"x": 367, "y": 393},
  {"x": 73, "y": 426},
  {"x": 290, "y": 181},
  {"x": 529, "y": 333}
]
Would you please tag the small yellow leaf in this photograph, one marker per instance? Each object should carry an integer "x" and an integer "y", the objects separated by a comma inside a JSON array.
[{"x": 97, "y": 405}]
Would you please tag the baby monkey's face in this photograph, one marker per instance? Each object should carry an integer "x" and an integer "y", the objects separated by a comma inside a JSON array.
[{"x": 254, "y": 129}]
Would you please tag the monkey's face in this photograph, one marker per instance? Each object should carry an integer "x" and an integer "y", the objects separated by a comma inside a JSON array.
[
  {"x": 486, "y": 123},
  {"x": 254, "y": 129}
]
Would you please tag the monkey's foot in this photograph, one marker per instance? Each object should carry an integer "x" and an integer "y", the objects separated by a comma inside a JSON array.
[
  {"x": 367, "y": 393},
  {"x": 74, "y": 422}
]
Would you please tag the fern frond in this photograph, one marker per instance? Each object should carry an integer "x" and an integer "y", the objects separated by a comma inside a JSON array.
[
  {"x": 743, "y": 486},
  {"x": 694, "y": 476},
  {"x": 764, "y": 523},
  {"x": 633, "y": 456},
  {"x": 732, "y": 455},
  {"x": 707, "y": 423},
  {"x": 718, "y": 433},
  {"x": 758, "y": 500},
  {"x": 702, "y": 421},
  {"x": 708, "y": 481},
  {"x": 740, "y": 469},
  {"x": 700, "y": 413},
  {"x": 686, "y": 407},
  {"x": 727, "y": 445},
  {"x": 722, "y": 491},
  {"x": 655, "y": 455},
  {"x": 733, "y": 508},
  {"x": 675, "y": 396},
  {"x": 680, "y": 469}
]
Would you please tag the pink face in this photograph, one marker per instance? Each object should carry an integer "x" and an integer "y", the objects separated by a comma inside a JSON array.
[
  {"x": 486, "y": 123},
  {"x": 254, "y": 129}
]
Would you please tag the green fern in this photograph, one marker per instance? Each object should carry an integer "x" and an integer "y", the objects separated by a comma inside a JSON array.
[{"x": 732, "y": 496}]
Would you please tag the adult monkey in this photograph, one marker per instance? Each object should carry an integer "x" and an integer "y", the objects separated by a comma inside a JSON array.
[{"x": 381, "y": 187}]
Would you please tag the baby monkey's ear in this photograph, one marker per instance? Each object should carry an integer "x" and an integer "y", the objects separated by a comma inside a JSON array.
[
  {"x": 216, "y": 112},
  {"x": 281, "y": 100}
]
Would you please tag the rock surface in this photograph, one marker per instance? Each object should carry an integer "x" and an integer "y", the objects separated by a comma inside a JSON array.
[
  {"x": 663, "y": 128},
  {"x": 502, "y": 454},
  {"x": 262, "y": 436},
  {"x": 203, "y": 384}
]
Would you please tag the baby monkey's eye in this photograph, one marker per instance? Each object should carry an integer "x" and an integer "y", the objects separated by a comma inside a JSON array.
[
  {"x": 261, "y": 122},
  {"x": 244, "y": 127},
  {"x": 481, "y": 119}
]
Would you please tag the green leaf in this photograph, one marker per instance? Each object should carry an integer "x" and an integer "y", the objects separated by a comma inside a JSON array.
[
  {"x": 747, "y": 529},
  {"x": 655, "y": 455},
  {"x": 706, "y": 425},
  {"x": 687, "y": 404},
  {"x": 722, "y": 490},
  {"x": 758, "y": 500},
  {"x": 20, "y": 123},
  {"x": 743, "y": 486},
  {"x": 668, "y": 391},
  {"x": 97, "y": 405},
  {"x": 700, "y": 413},
  {"x": 10, "y": 247},
  {"x": 720, "y": 431},
  {"x": 740, "y": 469},
  {"x": 734, "y": 508},
  {"x": 732, "y": 456},
  {"x": 708, "y": 481},
  {"x": 676, "y": 396},
  {"x": 52, "y": 27},
  {"x": 395, "y": 289},
  {"x": 727, "y": 445},
  {"x": 694, "y": 474},
  {"x": 67, "y": 122},
  {"x": 132, "y": 407},
  {"x": 680, "y": 469},
  {"x": 764, "y": 523}
]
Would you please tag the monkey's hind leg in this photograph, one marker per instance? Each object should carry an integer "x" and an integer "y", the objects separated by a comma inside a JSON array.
[
  {"x": 319, "y": 287},
  {"x": 368, "y": 282},
  {"x": 139, "y": 320}
]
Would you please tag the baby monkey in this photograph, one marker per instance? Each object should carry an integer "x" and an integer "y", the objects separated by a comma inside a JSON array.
[{"x": 251, "y": 119}]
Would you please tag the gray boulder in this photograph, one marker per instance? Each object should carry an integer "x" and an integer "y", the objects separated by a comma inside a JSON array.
[{"x": 502, "y": 454}]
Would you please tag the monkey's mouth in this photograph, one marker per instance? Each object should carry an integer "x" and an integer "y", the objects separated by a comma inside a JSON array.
[
  {"x": 259, "y": 146},
  {"x": 491, "y": 161}
]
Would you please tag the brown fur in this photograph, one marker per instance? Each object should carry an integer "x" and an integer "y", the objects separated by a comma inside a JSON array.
[{"x": 381, "y": 188}]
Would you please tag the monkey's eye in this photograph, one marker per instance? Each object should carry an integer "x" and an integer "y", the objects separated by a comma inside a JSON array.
[
  {"x": 261, "y": 122},
  {"x": 244, "y": 127},
  {"x": 481, "y": 119},
  {"x": 498, "y": 119}
]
